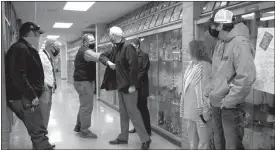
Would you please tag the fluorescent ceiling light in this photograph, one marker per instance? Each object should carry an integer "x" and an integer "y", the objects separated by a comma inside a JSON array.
[
  {"x": 248, "y": 16},
  {"x": 270, "y": 12},
  {"x": 62, "y": 25},
  {"x": 267, "y": 18},
  {"x": 78, "y": 6},
  {"x": 53, "y": 36}
]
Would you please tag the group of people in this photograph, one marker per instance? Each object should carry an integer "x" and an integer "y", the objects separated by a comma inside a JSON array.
[
  {"x": 126, "y": 71},
  {"x": 214, "y": 87},
  {"x": 31, "y": 81}
]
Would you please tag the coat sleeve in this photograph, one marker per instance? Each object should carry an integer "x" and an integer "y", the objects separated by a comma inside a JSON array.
[
  {"x": 131, "y": 57},
  {"x": 104, "y": 57},
  {"x": 145, "y": 67},
  {"x": 18, "y": 73},
  {"x": 245, "y": 75}
]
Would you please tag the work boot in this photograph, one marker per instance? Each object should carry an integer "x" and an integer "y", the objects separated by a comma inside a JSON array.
[{"x": 118, "y": 141}]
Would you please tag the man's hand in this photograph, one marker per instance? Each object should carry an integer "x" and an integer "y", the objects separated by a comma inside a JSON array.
[
  {"x": 111, "y": 65},
  {"x": 35, "y": 102},
  {"x": 132, "y": 89}
]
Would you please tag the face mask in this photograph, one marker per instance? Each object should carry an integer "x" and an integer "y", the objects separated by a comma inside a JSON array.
[
  {"x": 213, "y": 32},
  {"x": 56, "y": 52},
  {"x": 91, "y": 46}
]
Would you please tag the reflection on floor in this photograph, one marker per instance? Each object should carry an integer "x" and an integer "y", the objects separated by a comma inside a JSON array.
[{"x": 105, "y": 123}]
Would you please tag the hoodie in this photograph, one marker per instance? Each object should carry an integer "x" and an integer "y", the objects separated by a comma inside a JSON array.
[{"x": 233, "y": 68}]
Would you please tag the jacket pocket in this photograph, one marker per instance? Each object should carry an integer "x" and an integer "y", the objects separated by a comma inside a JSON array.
[{"x": 122, "y": 74}]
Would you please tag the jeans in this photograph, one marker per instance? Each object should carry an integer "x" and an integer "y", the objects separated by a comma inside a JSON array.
[
  {"x": 228, "y": 126},
  {"x": 46, "y": 104},
  {"x": 33, "y": 121},
  {"x": 86, "y": 98}
]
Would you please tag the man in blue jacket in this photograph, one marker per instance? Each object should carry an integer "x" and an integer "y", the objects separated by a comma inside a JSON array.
[{"x": 122, "y": 59}]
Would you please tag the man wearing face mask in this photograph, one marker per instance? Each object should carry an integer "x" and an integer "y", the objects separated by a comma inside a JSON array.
[
  {"x": 84, "y": 78},
  {"x": 122, "y": 59},
  {"x": 233, "y": 73},
  {"x": 52, "y": 49},
  {"x": 25, "y": 83}
]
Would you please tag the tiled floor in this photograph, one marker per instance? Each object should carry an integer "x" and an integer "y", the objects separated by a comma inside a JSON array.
[{"x": 105, "y": 123}]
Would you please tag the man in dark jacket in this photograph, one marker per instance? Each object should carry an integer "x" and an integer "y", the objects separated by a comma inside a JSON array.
[
  {"x": 143, "y": 85},
  {"x": 25, "y": 83},
  {"x": 84, "y": 78},
  {"x": 123, "y": 59}
]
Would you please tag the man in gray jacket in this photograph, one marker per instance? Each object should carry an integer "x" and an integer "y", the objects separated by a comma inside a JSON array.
[{"x": 233, "y": 73}]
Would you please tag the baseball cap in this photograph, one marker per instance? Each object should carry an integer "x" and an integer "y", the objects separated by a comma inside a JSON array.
[
  {"x": 30, "y": 26},
  {"x": 221, "y": 16}
]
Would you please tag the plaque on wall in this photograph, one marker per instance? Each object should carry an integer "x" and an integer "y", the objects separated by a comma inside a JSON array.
[
  {"x": 142, "y": 14},
  {"x": 177, "y": 13},
  {"x": 148, "y": 9},
  {"x": 208, "y": 7},
  {"x": 172, "y": 3},
  {"x": 165, "y": 4},
  {"x": 142, "y": 24},
  {"x": 217, "y": 5},
  {"x": 137, "y": 24},
  {"x": 138, "y": 13},
  {"x": 160, "y": 4},
  {"x": 154, "y": 20},
  {"x": 160, "y": 18},
  {"x": 168, "y": 15},
  {"x": 154, "y": 8},
  {"x": 148, "y": 21}
]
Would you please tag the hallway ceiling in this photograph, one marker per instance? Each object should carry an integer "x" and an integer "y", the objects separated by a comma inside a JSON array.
[{"x": 47, "y": 13}]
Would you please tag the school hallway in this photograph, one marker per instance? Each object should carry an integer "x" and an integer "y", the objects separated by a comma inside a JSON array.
[{"x": 105, "y": 123}]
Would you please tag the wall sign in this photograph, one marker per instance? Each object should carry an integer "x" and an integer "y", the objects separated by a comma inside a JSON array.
[{"x": 264, "y": 60}]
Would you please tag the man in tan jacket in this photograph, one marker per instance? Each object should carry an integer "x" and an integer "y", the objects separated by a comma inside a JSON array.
[{"x": 233, "y": 73}]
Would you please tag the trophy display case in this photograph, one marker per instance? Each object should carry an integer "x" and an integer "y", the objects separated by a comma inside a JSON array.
[
  {"x": 160, "y": 18},
  {"x": 176, "y": 14},
  {"x": 154, "y": 20},
  {"x": 165, "y": 79},
  {"x": 148, "y": 21},
  {"x": 168, "y": 15},
  {"x": 154, "y": 7}
]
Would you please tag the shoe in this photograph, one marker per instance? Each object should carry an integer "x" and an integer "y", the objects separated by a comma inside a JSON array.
[
  {"x": 118, "y": 141},
  {"x": 133, "y": 131},
  {"x": 77, "y": 128},
  {"x": 53, "y": 146},
  {"x": 146, "y": 145},
  {"x": 88, "y": 135}
]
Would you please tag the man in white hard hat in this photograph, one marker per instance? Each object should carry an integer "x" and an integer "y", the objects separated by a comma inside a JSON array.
[
  {"x": 122, "y": 74},
  {"x": 233, "y": 73}
]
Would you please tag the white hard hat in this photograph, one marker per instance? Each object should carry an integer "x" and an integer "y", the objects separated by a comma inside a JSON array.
[{"x": 223, "y": 16}]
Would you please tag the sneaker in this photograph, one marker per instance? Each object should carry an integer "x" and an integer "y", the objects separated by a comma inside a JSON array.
[
  {"x": 88, "y": 135},
  {"x": 146, "y": 145}
]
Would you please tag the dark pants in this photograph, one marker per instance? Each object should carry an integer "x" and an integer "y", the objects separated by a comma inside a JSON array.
[
  {"x": 228, "y": 126},
  {"x": 143, "y": 108},
  {"x": 34, "y": 123}
]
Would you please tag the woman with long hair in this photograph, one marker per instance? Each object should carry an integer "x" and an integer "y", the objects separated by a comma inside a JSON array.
[{"x": 194, "y": 107}]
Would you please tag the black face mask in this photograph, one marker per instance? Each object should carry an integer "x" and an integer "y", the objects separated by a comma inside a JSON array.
[
  {"x": 56, "y": 52},
  {"x": 91, "y": 46},
  {"x": 214, "y": 33}
]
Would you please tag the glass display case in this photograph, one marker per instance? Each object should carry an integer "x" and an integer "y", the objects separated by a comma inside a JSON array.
[
  {"x": 165, "y": 79},
  {"x": 168, "y": 15},
  {"x": 160, "y": 18}
]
